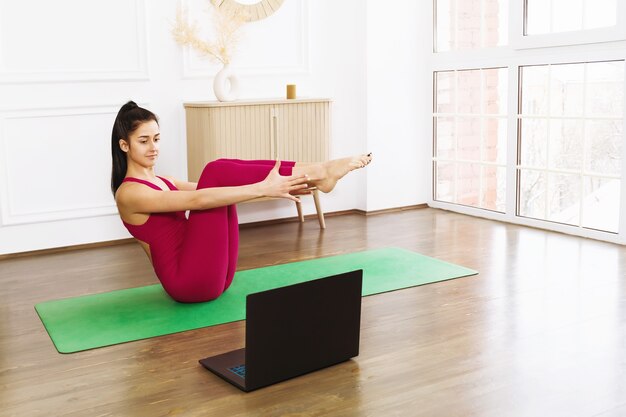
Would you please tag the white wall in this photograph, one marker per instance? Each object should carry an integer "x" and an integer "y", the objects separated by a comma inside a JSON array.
[
  {"x": 67, "y": 66},
  {"x": 399, "y": 100}
]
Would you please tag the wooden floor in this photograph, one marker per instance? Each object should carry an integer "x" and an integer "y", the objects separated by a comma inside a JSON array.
[{"x": 541, "y": 331}]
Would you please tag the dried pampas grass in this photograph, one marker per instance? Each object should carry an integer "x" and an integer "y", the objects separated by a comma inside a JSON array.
[{"x": 227, "y": 22}]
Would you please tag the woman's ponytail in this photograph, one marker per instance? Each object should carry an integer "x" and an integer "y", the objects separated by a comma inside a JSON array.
[{"x": 129, "y": 117}]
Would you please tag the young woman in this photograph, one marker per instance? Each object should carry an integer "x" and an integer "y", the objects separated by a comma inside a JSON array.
[{"x": 195, "y": 258}]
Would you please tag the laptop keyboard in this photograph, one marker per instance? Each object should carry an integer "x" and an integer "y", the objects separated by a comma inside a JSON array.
[{"x": 239, "y": 370}]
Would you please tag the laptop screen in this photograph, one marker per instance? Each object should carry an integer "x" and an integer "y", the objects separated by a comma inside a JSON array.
[{"x": 303, "y": 327}]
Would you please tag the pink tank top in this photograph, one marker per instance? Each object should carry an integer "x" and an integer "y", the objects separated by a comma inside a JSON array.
[{"x": 164, "y": 232}]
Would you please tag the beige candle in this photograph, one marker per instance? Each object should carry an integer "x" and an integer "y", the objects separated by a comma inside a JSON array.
[{"x": 291, "y": 91}]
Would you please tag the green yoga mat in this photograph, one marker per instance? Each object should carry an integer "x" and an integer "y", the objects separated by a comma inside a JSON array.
[{"x": 97, "y": 320}]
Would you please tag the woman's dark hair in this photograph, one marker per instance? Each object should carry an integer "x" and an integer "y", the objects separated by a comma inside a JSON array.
[{"x": 128, "y": 119}]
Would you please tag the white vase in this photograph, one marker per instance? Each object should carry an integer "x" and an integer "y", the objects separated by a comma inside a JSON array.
[{"x": 226, "y": 84}]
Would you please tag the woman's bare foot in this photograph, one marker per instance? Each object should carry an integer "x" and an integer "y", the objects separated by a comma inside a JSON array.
[{"x": 333, "y": 171}]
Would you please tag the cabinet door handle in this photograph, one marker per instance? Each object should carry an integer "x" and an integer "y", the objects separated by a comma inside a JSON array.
[{"x": 274, "y": 144}]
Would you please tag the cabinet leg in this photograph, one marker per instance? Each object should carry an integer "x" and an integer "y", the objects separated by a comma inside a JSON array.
[
  {"x": 318, "y": 208},
  {"x": 300, "y": 215}
]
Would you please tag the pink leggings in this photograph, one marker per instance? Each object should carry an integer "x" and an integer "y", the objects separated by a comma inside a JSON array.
[{"x": 208, "y": 253}]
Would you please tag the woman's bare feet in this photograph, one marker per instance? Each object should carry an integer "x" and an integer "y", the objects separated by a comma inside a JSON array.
[{"x": 325, "y": 175}]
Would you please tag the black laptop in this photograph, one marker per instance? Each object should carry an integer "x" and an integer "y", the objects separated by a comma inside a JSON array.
[{"x": 293, "y": 330}]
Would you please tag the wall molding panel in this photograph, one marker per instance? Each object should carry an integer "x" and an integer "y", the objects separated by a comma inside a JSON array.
[
  {"x": 24, "y": 58},
  {"x": 67, "y": 185}
]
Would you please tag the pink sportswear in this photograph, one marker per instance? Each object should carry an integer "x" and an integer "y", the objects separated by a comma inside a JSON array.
[{"x": 195, "y": 259}]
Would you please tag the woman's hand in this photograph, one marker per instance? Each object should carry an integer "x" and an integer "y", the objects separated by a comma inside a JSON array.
[{"x": 278, "y": 186}]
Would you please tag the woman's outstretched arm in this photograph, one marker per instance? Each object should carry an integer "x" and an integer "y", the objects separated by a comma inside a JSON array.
[{"x": 137, "y": 198}]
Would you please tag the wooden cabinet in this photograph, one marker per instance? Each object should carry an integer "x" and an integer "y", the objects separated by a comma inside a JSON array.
[
  {"x": 297, "y": 130},
  {"x": 294, "y": 130}
]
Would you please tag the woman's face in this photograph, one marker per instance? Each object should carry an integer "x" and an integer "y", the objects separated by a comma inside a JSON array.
[{"x": 144, "y": 144}]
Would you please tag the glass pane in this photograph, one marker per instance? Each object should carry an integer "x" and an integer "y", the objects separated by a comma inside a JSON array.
[
  {"x": 585, "y": 124},
  {"x": 605, "y": 89},
  {"x": 444, "y": 138},
  {"x": 534, "y": 90},
  {"x": 566, "y": 144},
  {"x": 495, "y": 17},
  {"x": 545, "y": 16},
  {"x": 495, "y": 88},
  {"x": 566, "y": 89},
  {"x": 445, "y": 29},
  {"x": 534, "y": 144},
  {"x": 445, "y": 181},
  {"x": 471, "y": 24},
  {"x": 532, "y": 194},
  {"x": 468, "y": 91},
  {"x": 465, "y": 137},
  {"x": 468, "y": 34},
  {"x": 503, "y": 23},
  {"x": 468, "y": 185},
  {"x": 468, "y": 138},
  {"x": 494, "y": 140},
  {"x": 567, "y": 15},
  {"x": 537, "y": 17},
  {"x": 600, "y": 13},
  {"x": 604, "y": 146},
  {"x": 494, "y": 187},
  {"x": 445, "y": 82},
  {"x": 564, "y": 198},
  {"x": 601, "y": 202}
]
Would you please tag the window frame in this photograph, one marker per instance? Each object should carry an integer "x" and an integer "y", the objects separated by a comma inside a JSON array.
[
  {"x": 456, "y": 116},
  {"x": 548, "y": 170},
  {"x": 518, "y": 40},
  {"x": 513, "y": 58}
]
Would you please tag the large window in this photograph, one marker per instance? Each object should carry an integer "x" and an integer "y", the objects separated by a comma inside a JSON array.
[{"x": 533, "y": 133}]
